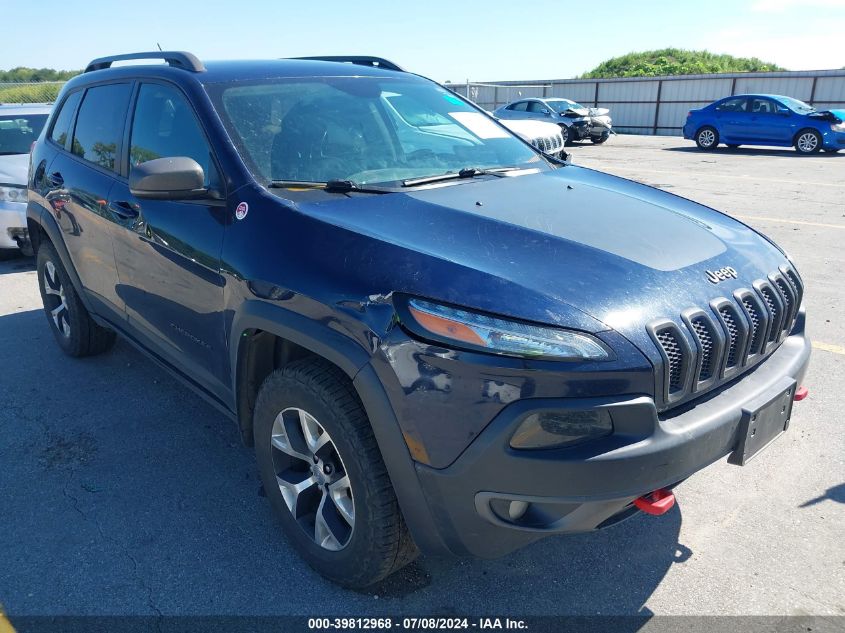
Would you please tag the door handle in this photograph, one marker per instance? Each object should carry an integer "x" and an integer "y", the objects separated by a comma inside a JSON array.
[
  {"x": 123, "y": 209},
  {"x": 55, "y": 179}
]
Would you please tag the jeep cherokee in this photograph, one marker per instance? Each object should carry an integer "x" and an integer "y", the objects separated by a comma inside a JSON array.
[{"x": 436, "y": 337}]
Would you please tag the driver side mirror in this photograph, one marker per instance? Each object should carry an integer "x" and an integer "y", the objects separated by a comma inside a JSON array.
[
  {"x": 175, "y": 178},
  {"x": 784, "y": 111},
  {"x": 544, "y": 111}
]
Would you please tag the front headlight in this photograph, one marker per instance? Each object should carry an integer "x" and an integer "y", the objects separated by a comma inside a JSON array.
[
  {"x": 12, "y": 193},
  {"x": 838, "y": 127},
  {"x": 473, "y": 330}
]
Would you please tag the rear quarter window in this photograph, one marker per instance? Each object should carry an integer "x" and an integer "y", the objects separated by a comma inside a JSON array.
[{"x": 64, "y": 119}]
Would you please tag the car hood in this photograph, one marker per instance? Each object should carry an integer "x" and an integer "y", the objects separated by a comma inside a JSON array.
[
  {"x": 571, "y": 246},
  {"x": 829, "y": 115},
  {"x": 14, "y": 169}
]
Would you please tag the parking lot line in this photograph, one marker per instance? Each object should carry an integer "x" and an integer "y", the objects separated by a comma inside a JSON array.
[
  {"x": 767, "y": 219},
  {"x": 828, "y": 347},
  {"x": 5, "y": 625}
]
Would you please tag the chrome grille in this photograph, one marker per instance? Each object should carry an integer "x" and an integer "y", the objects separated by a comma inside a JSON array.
[{"x": 729, "y": 336}]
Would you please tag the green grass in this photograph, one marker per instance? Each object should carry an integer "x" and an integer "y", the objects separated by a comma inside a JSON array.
[{"x": 29, "y": 93}]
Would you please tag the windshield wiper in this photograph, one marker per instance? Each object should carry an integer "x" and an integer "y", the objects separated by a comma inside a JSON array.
[
  {"x": 331, "y": 186},
  {"x": 466, "y": 172}
]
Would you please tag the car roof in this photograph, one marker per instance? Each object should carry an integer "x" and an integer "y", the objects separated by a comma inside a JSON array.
[
  {"x": 764, "y": 96},
  {"x": 25, "y": 108},
  {"x": 239, "y": 70}
]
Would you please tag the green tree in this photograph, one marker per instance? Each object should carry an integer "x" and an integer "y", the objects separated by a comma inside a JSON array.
[
  {"x": 22, "y": 73},
  {"x": 675, "y": 61}
]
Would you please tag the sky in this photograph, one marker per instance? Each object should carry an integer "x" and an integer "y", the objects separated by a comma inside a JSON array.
[{"x": 446, "y": 40}]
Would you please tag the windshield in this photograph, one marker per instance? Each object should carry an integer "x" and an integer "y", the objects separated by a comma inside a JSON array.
[
  {"x": 19, "y": 131},
  {"x": 562, "y": 105},
  {"x": 794, "y": 104},
  {"x": 366, "y": 130}
]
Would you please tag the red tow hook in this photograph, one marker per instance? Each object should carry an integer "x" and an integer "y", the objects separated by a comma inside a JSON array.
[
  {"x": 656, "y": 503},
  {"x": 801, "y": 393}
]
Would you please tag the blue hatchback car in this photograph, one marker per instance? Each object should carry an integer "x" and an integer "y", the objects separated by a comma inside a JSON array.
[{"x": 766, "y": 120}]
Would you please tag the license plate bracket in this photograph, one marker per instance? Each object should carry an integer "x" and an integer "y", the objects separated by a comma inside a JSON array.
[{"x": 762, "y": 423}]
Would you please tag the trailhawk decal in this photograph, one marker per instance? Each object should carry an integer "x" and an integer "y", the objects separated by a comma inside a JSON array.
[{"x": 241, "y": 210}]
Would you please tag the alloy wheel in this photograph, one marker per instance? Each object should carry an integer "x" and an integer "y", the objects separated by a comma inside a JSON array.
[
  {"x": 807, "y": 142},
  {"x": 312, "y": 478},
  {"x": 54, "y": 293},
  {"x": 706, "y": 138}
]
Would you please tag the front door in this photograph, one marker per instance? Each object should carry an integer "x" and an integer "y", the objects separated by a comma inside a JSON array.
[{"x": 168, "y": 251}]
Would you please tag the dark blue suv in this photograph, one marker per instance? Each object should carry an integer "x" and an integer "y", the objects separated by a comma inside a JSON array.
[{"x": 436, "y": 337}]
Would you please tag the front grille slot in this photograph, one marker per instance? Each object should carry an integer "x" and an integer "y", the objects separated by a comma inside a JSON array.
[
  {"x": 669, "y": 341},
  {"x": 796, "y": 285},
  {"x": 729, "y": 318},
  {"x": 789, "y": 305},
  {"x": 773, "y": 304},
  {"x": 706, "y": 337},
  {"x": 756, "y": 327}
]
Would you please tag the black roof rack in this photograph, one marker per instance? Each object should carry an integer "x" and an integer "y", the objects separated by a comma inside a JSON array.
[
  {"x": 177, "y": 59},
  {"x": 359, "y": 60}
]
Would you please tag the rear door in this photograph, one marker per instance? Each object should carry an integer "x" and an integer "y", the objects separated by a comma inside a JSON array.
[
  {"x": 168, "y": 251},
  {"x": 81, "y": 179},
  {"x": 733, "y": 120}
]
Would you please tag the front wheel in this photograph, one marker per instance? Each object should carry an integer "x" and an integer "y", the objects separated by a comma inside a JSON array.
[
  {"x": 324, "y": 475},
  {"x": 808, "y": 142},
  {"x": 564, "y": 132},
  {"x": 598, "y": 140},
  {"x": 707, "y": 138}
]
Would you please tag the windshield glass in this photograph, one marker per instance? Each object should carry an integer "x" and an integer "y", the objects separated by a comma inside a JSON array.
[
  {"x": 19, "y": 131},
  {"x": 562, "y": 105},
  {"x": 366, "y": 130},
  {"x": 794, "y": 104}
]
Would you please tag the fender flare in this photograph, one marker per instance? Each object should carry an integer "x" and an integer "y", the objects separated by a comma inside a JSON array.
[{"x": 354, "y": 361}]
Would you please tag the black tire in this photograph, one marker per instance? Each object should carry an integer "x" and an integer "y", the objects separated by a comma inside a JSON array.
[
  {"x": 598, "y": 140},
  {"x": 707, "y": 138},
  {"x": 378, "y": 542},
  {"x": 807, "y": 141},
  {"x": 75, "y": 331}
]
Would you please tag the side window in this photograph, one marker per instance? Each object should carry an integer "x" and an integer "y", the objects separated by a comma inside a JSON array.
[
  {"x": 763, "y": 106},
  {"x": 733, "y": 105},
  {"x": 64, "y": 119},
  {"x": 165, "y": 126},
  {"x": 519, "y": 106},
  {"x": 99, "y": 124},
  {"x": 536, "y": 106}
]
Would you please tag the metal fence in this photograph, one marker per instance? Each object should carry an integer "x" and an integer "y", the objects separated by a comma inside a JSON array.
[
  {"x": 29, "y": 92},
  {"x": 659, "y": 105}
]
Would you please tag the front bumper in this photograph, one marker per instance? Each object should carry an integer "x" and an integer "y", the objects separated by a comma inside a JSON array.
[
  {"x": 593, "y": 485},
  {"x": 833, "y": 140},
  {"x": 12, "y": 223}
]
